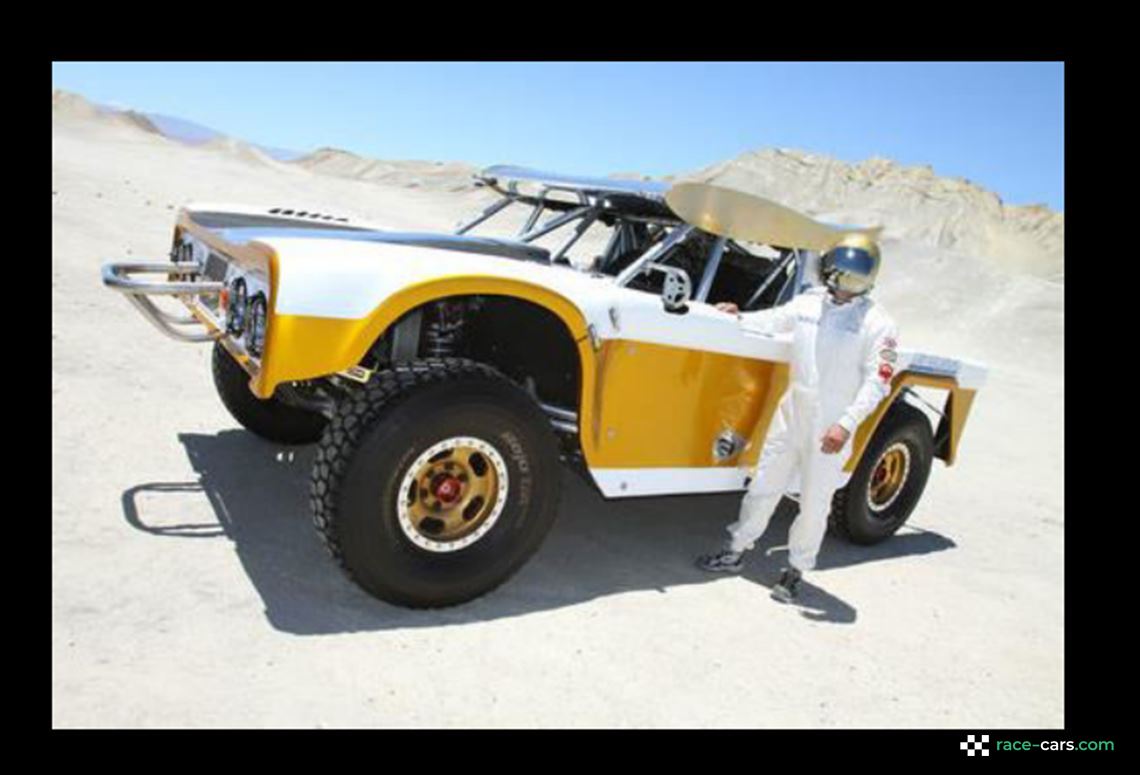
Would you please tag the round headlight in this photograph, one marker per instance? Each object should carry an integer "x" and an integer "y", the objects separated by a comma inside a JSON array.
[
  {"x": 237, "y": 310},
  {"x": 255, "y": 325}
]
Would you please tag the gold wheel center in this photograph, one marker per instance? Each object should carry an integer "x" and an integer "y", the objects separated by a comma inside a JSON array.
[
  {"x": 452, "y": 494},
  {"x": 888, "y": 477}
]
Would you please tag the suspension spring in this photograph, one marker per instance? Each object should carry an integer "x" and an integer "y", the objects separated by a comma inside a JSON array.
[{"x": 444, "y": 333}]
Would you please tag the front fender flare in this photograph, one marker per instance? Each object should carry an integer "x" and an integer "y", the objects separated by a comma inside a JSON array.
[{"x": 306, "y": 347}]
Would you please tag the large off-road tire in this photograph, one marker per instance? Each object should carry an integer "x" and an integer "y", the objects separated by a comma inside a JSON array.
[
  {"x": 886, "y": 485},
  {"x": 436, "y": 483},
  {"x": 270, "y": 418}
]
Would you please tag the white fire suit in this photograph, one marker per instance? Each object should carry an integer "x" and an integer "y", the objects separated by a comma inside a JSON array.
[{"x": 843, "y": 358}]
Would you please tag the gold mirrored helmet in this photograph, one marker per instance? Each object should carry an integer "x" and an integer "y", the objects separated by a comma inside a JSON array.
[{"x": 851, "y": 264}]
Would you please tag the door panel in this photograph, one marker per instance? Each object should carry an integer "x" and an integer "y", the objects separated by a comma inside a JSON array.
[
  {"x": 666, "y": 386},
  {"x": 664, "y": 406}
]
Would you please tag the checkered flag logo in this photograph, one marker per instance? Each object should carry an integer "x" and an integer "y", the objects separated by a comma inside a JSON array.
[{"x": 973, "y": 747}]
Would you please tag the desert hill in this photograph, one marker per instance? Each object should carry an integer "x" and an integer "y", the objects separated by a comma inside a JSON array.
[{"x": 444, "y": 176}]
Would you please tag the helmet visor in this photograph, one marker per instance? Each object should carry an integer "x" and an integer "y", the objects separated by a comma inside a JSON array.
[
  {"x": 849, "y": 269},
  {"x": 854, "y": 261}
]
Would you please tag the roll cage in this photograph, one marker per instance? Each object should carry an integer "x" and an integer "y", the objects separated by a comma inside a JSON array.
[{"x": 645, "y": 231}]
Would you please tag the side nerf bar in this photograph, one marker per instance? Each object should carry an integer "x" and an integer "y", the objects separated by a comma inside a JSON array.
[{"x": 120, "y": 277}]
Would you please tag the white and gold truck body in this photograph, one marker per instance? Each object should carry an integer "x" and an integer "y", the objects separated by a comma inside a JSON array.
[{"x": 656, "y": 389}]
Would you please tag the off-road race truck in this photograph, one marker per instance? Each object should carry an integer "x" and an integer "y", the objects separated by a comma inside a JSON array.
[{"x": 446, "y": 377}]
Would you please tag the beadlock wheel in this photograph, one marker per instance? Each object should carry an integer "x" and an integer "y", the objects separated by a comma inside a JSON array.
[
  {"x": 887, "y": 483},
  {"x": 888, "y": 477},
  {"x": 452, "y": 494},
  {"x": 436, "y": 482}
]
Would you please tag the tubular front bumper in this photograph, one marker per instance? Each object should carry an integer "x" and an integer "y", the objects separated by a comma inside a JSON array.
[{"x": 200, "y": 326}]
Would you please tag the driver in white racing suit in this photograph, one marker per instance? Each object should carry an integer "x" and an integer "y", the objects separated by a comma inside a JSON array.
[{"x": 844, "y": 351}]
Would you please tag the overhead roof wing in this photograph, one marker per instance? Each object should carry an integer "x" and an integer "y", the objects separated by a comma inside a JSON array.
[{"x": 730, "y": 213}]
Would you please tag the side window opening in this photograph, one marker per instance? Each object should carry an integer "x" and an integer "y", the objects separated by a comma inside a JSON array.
[
  {"x": 741, "y": 274},
  {"x": 691, "y": 255}
]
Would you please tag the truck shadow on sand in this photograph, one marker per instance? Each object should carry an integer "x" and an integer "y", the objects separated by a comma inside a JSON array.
[{"x": 259, "y": 494}]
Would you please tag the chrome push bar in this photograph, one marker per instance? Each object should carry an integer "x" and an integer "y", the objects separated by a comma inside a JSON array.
[{"x": 120, "y": 277}]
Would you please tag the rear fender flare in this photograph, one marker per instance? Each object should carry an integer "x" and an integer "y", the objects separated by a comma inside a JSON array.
[{"x": 955, "y": 412}]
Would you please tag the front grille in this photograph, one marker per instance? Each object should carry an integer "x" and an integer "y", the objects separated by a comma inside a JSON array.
[{"x": 215, "y": 267}]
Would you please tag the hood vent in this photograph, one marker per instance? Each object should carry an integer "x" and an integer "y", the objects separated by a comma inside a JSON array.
[{"x": 305, "y": 214}]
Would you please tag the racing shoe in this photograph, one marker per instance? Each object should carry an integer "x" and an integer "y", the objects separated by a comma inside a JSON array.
[
  {"x": 724, "y": 561},
  {"x": 788, "y": 586}
]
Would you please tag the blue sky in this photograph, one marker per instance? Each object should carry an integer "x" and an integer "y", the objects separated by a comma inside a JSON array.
[{"x": 1001, "y": 125}]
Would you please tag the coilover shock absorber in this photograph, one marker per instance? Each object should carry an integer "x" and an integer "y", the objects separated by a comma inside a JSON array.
[{"x": 444, "y": 332}]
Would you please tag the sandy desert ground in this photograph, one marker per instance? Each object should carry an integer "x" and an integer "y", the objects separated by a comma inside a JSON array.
[{"x": 189, "y": 589}]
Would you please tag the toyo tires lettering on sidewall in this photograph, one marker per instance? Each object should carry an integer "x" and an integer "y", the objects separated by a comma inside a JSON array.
[{"x": 435, "y": 484}]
